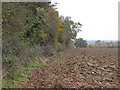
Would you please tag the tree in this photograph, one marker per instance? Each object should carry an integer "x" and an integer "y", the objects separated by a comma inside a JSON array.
[
  {"x": 70, "y": 29},
  {"x": 35, "y": 29},
  {"x": 98, "y": 43},
  {"x": 80, "y": 43}
]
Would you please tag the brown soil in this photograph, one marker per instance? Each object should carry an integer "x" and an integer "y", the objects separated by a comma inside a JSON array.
[{"x": 78, "y": 68}]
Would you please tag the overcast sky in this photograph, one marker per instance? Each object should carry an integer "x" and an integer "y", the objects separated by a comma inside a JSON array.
[{"x": 98, "y": 17}]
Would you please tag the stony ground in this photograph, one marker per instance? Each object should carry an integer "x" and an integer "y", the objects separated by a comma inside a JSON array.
[{"x": 78, "y": 68}]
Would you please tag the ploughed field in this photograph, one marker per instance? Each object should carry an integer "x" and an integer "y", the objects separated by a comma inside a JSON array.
[{"x": 78, "y": 68}]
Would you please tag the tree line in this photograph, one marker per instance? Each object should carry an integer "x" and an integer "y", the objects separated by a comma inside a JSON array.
[
  {"x": 33, "y": 29},
  {"x": 100, "y": 44}
]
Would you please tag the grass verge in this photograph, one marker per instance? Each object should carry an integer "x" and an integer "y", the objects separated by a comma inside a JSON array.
[{"x": 22, "y": 75}]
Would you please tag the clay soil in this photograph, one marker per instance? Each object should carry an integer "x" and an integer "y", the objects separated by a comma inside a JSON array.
[{"x": 78, "y": 68}]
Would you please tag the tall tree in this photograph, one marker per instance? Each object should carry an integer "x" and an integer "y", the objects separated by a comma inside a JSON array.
[{"x": 70, "y": 29}]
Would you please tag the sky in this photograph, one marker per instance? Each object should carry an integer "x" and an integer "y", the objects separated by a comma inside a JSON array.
[{"x": 98, "y": 17}]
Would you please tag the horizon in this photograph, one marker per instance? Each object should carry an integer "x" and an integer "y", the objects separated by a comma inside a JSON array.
[{"x": 98, "y": 39}]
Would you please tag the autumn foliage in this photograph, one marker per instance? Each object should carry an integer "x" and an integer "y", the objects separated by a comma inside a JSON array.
[{"x": 30, "y": 30}]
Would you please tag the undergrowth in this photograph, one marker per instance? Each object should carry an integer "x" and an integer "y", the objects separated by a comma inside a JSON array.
[{"x": 12, "y": 80}]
